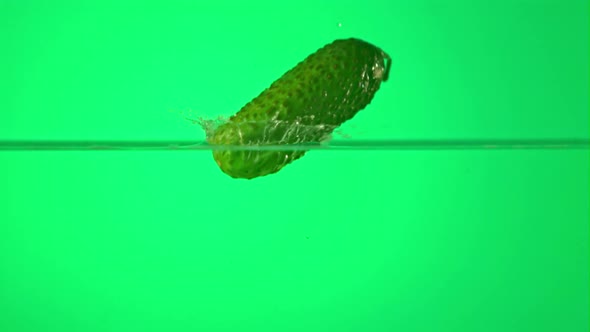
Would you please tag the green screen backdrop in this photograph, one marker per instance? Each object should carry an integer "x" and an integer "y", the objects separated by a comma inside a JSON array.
[{"x": 372, "y": 241}]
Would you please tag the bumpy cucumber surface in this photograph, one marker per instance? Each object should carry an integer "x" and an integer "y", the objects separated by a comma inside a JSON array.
[{"x": 303, "y": 106}]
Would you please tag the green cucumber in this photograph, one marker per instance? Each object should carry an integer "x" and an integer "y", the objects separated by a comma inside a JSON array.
[{"x": 304, "y": 106}]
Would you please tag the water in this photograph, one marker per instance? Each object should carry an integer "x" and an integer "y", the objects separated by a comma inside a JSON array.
[{"x": 457, "y": 201}]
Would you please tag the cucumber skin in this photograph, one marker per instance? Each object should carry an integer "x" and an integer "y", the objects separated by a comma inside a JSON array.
[{"x": 303, "y": 106}]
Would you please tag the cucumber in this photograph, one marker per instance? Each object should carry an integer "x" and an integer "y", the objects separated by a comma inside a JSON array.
[{"x": 303, "y": 107}]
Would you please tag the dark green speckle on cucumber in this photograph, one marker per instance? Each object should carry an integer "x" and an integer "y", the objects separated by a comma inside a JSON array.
[{"x": 303, "y": 106}]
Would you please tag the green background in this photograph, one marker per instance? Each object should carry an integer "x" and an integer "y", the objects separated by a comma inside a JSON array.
[{"x": 337, "y": 241}]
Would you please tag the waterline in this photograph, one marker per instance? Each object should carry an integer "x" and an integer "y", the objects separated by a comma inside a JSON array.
[{"x": 338, "y": 145}]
